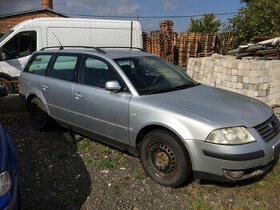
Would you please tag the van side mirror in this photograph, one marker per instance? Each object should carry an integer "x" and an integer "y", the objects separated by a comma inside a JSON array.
[
  {"x": 113, "y": 86},
  {"x": 3, "y": 91},
  {"x": 3, "y": 56}
]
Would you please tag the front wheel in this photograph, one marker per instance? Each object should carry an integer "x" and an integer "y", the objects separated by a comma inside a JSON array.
[
  {"x": 165, "y": 159},
  {"x": 38, "y": 115}
]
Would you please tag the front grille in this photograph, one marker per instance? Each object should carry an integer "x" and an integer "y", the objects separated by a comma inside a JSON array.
[{"x": 269, "y": 129}]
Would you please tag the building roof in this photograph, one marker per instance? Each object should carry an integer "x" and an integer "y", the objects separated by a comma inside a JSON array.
[{"x": 32, "y": 11}]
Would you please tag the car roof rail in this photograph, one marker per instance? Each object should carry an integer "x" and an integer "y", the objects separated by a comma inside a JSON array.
[
  {"x": 87, "y": 47},
  {"x": 117, "y": 47}
]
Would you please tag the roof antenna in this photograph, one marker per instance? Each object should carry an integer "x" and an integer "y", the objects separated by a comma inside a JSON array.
[{"x": 61, "y": 47}]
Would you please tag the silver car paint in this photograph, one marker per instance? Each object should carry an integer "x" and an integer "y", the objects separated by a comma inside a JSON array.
[{"x": 191, "y": 114}]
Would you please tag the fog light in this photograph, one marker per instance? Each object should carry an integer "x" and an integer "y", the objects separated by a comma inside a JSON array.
[{"x": 234, "y": 174}]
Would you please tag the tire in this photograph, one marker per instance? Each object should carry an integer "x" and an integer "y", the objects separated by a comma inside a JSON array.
[
  {"x": 38, "y": 115},
  {"x": 8, "y": 86},
  {"x": 165, "y": 159}
]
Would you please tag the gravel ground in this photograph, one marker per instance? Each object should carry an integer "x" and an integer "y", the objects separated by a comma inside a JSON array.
[{"x": 60, "y": 170}]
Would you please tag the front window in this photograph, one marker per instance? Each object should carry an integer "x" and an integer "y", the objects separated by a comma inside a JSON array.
[
  {"x": 152, "y": 74},
  {"x": 21, "y": 45},
  {"x": 96, "y": 72}
]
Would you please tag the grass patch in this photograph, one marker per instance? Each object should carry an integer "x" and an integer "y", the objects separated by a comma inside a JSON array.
[
  {"x": 108, "y": 163},
  {"x": 91, "y": 160},
  {"x": 116, "y": 191},
  {"x": 138, "y": 176},
  {"x": 200, "y": 203},
  {"x": 86, "y": 144}
]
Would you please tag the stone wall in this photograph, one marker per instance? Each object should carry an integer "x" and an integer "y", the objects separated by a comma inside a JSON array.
[{"x": 257, "y": 79}]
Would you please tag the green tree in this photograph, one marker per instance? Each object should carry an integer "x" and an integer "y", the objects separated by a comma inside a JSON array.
[
  {"x": 206, "y": 24},
  {"x": 257, "y": 19}
]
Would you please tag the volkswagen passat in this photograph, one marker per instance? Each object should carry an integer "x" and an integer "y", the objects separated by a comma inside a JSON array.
[{"x": 141, "y": 103}]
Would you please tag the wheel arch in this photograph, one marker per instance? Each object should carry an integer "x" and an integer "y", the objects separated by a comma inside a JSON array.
[
  {"x": 33, "y": 95},
  {"x": 148, "y": 128},
  {"x": 6, "y": 76}
]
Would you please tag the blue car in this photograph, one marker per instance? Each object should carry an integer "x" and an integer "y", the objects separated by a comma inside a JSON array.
[{"x": 9, "y": 179}]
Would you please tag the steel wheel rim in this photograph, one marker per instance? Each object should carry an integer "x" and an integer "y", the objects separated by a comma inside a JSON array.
[{"x": 163, "y": 160}]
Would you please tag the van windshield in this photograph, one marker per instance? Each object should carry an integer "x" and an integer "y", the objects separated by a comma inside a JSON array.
[
  {"x": 5, "y": 35},
  {"x": 151, "y": 75}
]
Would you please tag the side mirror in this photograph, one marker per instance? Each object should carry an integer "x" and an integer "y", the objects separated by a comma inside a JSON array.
[
  {"x": 113, "y": 86},
  {"x": 3, "y": 91}
]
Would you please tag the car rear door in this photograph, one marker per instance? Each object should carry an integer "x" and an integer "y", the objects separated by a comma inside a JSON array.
[
  {"x": 96, "y": 110},
  {"x": 57, "y": 86}
]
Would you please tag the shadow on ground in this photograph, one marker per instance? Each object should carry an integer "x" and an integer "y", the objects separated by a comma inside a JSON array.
[{"x": 52, "y": 173}]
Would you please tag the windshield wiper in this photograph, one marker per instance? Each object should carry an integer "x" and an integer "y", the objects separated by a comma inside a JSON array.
[{"x": 181, "y": 87}]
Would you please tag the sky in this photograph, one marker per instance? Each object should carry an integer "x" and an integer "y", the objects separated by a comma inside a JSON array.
[{"x": 133, "y": 8}]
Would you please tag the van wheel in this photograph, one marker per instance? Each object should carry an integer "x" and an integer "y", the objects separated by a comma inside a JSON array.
[
  {"x": 38, "y": 115},
  {"x": 165, "y": 159},
  {"x": 8, "y": 86}
]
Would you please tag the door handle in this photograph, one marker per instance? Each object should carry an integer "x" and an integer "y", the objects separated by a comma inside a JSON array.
[
  {"x": 78, "y": 96},
  {"x": 45, "y": 87}
]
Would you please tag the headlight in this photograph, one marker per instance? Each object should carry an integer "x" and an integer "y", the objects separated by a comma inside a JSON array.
[
  {"x": 5, "y": 182},
  {"x": 231, "y": 136}
]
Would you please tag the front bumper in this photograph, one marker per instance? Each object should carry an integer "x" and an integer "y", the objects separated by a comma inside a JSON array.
[{"x": 233, "y": 163}]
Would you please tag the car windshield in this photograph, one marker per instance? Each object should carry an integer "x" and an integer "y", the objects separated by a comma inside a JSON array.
[
  {"x": 151, "y": 74},
  {"x": 5, "y": 35}
]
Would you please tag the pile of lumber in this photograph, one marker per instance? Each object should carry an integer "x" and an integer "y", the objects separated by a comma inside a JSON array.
[
  {"x": 179, "y": 48},
  {"x": 146, "y": 42},
  {"x": 264, "y": 50},
  {"x": 195, "y": 45},
  {"x": 161, "y": 42}
]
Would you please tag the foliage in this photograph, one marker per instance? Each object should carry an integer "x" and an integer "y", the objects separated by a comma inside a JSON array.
[
  {"x": 258, "y": 18},
  {"x": 206, "y": 24}
]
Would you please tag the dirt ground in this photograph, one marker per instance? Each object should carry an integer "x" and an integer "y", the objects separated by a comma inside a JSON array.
[{"x": 60, "y": 170}]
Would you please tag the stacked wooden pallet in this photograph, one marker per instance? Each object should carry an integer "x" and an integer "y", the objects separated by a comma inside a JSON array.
[
  {"x": 156, "y": 43},
  {"x": 166, "y": 30},
  {"x": 195, "y": 45},
  {"x": 146, "y": 42}
]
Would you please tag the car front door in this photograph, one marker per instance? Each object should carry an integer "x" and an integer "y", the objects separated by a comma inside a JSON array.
[
  {"x": 57, "y": 86},
  {"x": 96, "y": 110}
]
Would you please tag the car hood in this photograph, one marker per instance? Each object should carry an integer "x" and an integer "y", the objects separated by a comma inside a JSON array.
[{"x": 221, "y": 107}]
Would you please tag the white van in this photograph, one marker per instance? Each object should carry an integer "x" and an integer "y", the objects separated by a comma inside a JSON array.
[{"x": 22, "y": 40}]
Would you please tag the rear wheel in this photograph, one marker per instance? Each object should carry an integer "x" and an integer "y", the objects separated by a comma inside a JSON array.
[
  {"x": 38, "y": 115},
  {"x": 8, "y": 86},
  {"x": 165, "y": 159}
]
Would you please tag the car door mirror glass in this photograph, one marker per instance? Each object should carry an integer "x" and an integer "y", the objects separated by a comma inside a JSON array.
[{"x": 113, "y": 86}]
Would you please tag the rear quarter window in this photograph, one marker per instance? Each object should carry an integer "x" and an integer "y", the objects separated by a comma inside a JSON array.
[{"x": 39, "y": 64}]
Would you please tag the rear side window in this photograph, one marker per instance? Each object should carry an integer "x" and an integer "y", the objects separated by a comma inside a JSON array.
[
  {"x": 39, "y": 64},
  {"x": 64, "y": 67}
]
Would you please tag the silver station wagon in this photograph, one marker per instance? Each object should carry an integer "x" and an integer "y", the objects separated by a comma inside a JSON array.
[{"x": 142, "y": 104}]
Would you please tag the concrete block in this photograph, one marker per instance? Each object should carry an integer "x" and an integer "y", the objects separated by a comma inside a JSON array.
[
  {"x": 234, "y": 78},
  {"x": 239, "y": 85},
  {"x": 246, "y": 79}
]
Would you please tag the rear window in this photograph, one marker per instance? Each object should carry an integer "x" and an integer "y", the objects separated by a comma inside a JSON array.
[
  {"x": 39, "y": 64},
  {"x": 64, "y": 67}
]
